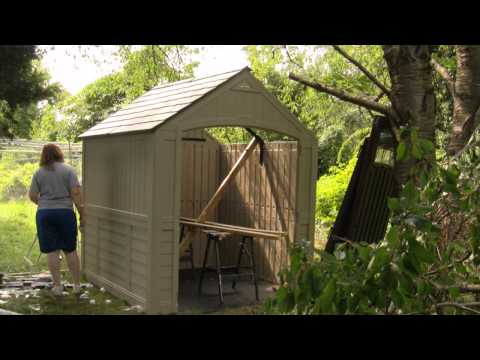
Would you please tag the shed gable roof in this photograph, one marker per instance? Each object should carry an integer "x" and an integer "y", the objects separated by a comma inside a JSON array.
[{"x": 159, "y": 104}]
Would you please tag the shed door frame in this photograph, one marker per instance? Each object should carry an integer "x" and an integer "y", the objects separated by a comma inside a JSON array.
[{"x": 305, "y": 179}]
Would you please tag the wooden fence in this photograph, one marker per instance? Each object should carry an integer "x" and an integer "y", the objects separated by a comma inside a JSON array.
[
  {"x": 23, "y": 150},
  {"x": 261, "y": 196}
]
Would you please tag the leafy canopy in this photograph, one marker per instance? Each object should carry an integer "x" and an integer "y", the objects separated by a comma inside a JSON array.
[
  {"x": 142, "y": 69},
  {"x": 331, "y": 120},
  {"x": 23, "y": 83}
]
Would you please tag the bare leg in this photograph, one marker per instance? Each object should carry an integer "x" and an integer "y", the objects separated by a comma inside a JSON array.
[
  {"x": 54, "y": 267},
  {"x": 74, "y": 266}
]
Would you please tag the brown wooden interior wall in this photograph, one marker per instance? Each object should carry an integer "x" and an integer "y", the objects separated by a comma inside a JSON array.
[
  {"x": 259, "y": 197},
  {"x": 200, "y": 179}
]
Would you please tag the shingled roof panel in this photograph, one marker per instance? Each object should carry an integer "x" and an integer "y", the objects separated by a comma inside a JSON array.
[{"x": 158, "y": 105}]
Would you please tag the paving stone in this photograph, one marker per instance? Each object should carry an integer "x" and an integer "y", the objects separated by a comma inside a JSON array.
[{"x": 40, "y": 285}]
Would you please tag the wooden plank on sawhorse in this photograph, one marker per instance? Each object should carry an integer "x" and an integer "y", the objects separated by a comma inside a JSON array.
[{"x": 219, "y": 193}]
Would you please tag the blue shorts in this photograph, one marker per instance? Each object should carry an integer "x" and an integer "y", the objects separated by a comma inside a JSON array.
[{"x": 57, "y": 230}]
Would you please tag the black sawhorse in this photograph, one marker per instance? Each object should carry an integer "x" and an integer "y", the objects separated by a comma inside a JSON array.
[{"x": 213, "y": 238}]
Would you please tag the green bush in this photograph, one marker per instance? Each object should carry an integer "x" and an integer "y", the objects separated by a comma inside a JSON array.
[
  {"x": 16, "y": 175},
  {"x": 330, "y": 191},
  {"x": 413, "y": 270},
  {"x": 15, "y": 178}
]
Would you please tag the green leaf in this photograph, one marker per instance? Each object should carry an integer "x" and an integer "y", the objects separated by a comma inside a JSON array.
[
  {"x": 461, "y": 268},
  {"x": 414, "y": 136},
  {"x": 393, "y": 237},
  {"x": 405, "y": 284},
  {"x": 380, "y": 258},
  {"x": 421, "y": 287},
  {"x": 393, "y": 204},
  {"x": 427, "y": 146},
  {"x": 421, "y": 253},
  {"x": 419, "y": 222},
  {"x": 451, "y": 175},
  {"x": 401, "y": 151},
  {"x": 410, "y": 263},
  {"x": 454, "y": 292},
  {"x": 285, "y": 299},
  {"x": 363, "y": 252},
  {"x": 416, "y": 151},
  {"x": 410, "y": 193},
  {"x": 325, "y": 300},
  {"x": 397, "y": 298}
]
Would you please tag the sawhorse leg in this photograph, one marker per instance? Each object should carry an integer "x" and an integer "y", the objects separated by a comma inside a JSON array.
[
  {"x": 251, "y": 257},
  {"x": 239, "y": 261},
  {"x": 202, "y": 272},
  {"x": 219, "y": 270}
]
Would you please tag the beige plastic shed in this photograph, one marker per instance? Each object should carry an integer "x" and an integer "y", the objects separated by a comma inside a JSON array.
[{"x": 133, "y": 164}]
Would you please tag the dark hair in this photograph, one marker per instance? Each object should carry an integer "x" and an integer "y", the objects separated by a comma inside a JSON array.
[{"x": 50, "y": 154}]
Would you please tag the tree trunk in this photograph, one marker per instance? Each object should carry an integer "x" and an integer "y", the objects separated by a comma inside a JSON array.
[
  {"x": 412, "y": 93},
  {"x": 465, "y": 91},
  {"x": 466, "y": 97}
]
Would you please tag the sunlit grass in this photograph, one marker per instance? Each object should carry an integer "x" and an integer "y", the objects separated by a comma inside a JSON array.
[
  {"x": 43, "y": 302},
  {"x": 17, "y": 232}
]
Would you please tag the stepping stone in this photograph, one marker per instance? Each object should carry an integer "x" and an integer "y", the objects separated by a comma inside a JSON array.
[
  {"x": 13, "y": 284},
  {"x": 40, "y": 285}
]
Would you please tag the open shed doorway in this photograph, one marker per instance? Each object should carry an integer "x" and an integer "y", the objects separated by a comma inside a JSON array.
[{"x": 260, "y": 196}]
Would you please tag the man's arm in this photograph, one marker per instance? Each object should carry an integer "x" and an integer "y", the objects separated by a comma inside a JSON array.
[{"x": 77, "y": 198}]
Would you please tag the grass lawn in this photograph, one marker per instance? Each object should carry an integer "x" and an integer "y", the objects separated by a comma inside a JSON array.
[
  {"x": 44, "y": 303},
  {"x": 17, "y": 232}
]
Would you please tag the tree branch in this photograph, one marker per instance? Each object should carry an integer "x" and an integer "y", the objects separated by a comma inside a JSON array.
[
  {"x": 467, "y": 255},
  {"x": 465, "y": 306},
  {"x": 167, "y": 60},
  {"x": 360, "y": 101},
  {"x": 291, "y": 59},
  {"x": 379, "y": 96},
  {"x": 363, "y": 70},
  {"x": 463, "y": 288},
  {"x": 443, "y": 72},
  {"x": 468, "y": 127},
  {"x": 154, "y": 58}
]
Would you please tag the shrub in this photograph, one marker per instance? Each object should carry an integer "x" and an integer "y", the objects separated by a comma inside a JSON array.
[
  {"x": 412, "y": 270},
  {"x": 16, "y": 174},
  {"x": 330, "y": 191},
  {"x": 15, "y": 179}
]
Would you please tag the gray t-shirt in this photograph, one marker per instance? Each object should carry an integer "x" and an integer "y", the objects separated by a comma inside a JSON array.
[{"x": 54, "y": 186}]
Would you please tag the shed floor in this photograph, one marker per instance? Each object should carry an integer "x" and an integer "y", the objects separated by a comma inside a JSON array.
[{"x": 190, "y": 302}]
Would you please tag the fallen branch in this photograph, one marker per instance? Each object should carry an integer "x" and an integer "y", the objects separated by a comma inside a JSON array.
[
  {"x": 463, "y": 288},
  {"x": 465, "y": 306},
  {"x": 450, "y": 266}
]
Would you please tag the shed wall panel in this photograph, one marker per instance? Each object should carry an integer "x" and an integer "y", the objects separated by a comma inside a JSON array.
[{"x": 117, "y": 173}]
